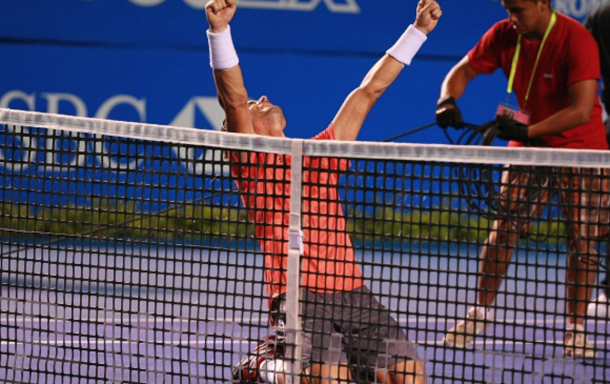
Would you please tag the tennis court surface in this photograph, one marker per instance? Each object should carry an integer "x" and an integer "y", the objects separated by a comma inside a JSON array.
[{"x": 128, "y": 255}]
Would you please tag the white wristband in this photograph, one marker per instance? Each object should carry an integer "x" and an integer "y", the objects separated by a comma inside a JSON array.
[
  {"x": 407, "y": 45},
  {"x": 222, "y": 51}
]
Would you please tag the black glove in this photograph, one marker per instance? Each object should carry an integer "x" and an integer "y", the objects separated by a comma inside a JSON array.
[
  {"x": 448, "y": 114},
  {"x": 511, "y": 129}
]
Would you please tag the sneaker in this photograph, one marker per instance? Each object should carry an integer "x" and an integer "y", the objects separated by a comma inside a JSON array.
[
  {"x": 599, "y": 307},
  {"x": 576, "y": 344},
  {"x": 462, "y": 334}
]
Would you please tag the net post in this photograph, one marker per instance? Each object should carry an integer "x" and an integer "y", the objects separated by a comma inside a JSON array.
[{"x": 293, "y": 283}]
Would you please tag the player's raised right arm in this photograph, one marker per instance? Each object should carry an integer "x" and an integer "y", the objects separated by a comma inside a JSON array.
[{"x": 232, "y": 94}]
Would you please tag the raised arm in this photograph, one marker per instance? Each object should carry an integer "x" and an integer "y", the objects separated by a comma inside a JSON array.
[
  {"x": 232, "y": 94},
  {"x": 348, "y": 121}
]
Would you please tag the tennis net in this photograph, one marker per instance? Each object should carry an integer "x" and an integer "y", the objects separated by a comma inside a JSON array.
[{"x": 137, "y": 253}]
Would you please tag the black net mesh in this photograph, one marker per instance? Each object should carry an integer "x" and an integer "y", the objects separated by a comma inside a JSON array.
[{"x": 131, "y": 260}]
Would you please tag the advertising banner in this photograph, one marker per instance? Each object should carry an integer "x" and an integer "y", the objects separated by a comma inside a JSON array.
[
  {"x": 147, "y": 60},
  {"x": 177, "y": 88},
  {"x": 338, "y": 26},
  {"x": 347, "y": 26}
]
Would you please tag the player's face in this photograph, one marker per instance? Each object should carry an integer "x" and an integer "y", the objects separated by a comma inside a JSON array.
[
  {"x": 526, "y": 16},
  {"x": 267, "y": 118}
]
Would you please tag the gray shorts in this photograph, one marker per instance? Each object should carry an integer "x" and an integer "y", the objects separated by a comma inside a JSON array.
[{"x": 348, "y": 327}]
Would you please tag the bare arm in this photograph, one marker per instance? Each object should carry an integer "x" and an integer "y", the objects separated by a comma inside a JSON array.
[
  {"x": 457, "y": 79},
  {"x": 232, "y": 94},
  {"x": 582, "y": 95},
  {"x": 233, "y": 99},
  {"x": 348, "y": 121}
]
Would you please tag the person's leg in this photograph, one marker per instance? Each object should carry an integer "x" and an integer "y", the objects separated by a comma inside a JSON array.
[
  {"x": 584, "y": 220},
  {"x": 496, "y": 256},
  {"x": 327, "y": 374},
  {"x": 323, "y": 363},
  {"x": 581, "y": 274},
  {"x": 603, "y": 300},
  {"x": 600, "y": 308},
  {"x": 376, "y": 344},
  {"x": 320, "y": 364}
]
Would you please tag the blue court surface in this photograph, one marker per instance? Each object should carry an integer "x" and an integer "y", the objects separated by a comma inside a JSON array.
[{"x": 129, "y": 315}]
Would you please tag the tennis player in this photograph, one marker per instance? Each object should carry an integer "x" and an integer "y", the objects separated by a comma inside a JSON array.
[
  {"x": 552, "y": 63},
  {"x": 336, "y": 300}
]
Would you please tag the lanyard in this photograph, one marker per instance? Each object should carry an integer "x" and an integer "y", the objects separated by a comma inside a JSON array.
[{"x": 513, "y": 67}]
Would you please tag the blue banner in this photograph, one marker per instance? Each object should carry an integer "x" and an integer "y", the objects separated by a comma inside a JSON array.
[
  {"x": 346, "y": 26},
  {"x": 146, "y": 60},
  {"x": 177, "y": 88}
]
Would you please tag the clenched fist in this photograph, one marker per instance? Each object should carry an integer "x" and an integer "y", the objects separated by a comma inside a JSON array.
[
  {"x": 219, "y": 14},
  {"x": 428, "y": 13}
]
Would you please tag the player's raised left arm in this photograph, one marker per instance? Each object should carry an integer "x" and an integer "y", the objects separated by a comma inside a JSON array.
[{"x": 348, "y": 121}]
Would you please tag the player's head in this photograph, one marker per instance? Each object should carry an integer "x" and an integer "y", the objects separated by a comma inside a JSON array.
[
  {"x": 267, "y": 119},
  {"x": 529, "y": 17}
]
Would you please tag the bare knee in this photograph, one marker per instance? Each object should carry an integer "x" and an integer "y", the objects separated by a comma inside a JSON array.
[
  {"x": 326, "y": 374},
  {"x": 408, "y": 372}
]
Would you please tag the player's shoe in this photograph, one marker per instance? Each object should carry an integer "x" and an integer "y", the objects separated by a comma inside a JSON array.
[
  {"x": 600, "y": 307},
  {"x": 247, "y": 371},
  {"x": 576, "y": 344},
  {"x": 463, "y": 333}
]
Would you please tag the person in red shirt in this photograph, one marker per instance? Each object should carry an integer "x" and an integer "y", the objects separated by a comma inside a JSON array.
[
  {"x": 330, "y": 265},
  {"x": 552, "y": 63},
  {"x": 335, "y": 297}
]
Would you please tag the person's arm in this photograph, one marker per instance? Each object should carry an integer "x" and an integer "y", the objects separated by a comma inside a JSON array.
[
  {"x": 348, "y": 121},
  {"x": 582, "y": 96},
  {"x": 447, "y": 112},
  {"x": 457, "y": 79},
  {"x": 232, "y": 94}
]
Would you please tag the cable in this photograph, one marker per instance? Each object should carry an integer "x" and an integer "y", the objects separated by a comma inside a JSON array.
[{"x": 408, "y": 132}]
